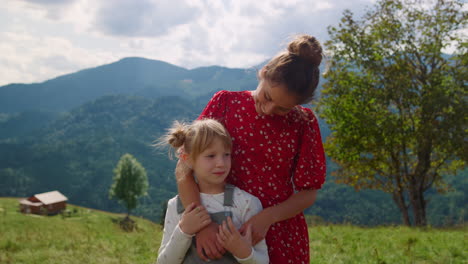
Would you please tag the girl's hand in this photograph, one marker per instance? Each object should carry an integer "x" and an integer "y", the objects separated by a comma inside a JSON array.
[
  {"x": 208, "y": 246},
  {"x": 228, "y": 236},
  {"x": 260, "y": 223},
  {"x": 194, "y": 219}
]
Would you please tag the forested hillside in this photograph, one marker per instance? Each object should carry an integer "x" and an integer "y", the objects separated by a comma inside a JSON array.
[{"x": 74, "y": 149}]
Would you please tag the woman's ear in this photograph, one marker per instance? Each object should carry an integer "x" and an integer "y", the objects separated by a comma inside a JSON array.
[{"x": 261, "y": 73}]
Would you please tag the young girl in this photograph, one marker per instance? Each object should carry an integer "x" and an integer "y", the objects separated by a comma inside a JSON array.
[
  {"x": 277, "y": 153},
  {"x": 205, "y": 147}
]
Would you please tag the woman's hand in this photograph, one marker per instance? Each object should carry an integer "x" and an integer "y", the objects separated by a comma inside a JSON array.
[
  {"x": 260, "y": 223},
  {"x": 228, "y": 236},
  {"x": 208, "y": 246},
  {"x": 194, "y": 219}
]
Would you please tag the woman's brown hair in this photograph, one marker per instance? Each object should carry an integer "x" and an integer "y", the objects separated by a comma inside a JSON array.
[{"x": 297, "y": 67}]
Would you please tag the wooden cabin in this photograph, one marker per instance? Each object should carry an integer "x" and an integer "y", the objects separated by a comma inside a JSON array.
[{"x": 47, "y": 203}]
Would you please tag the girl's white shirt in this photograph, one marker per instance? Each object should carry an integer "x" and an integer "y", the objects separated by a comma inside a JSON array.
[{"x": 175, "y": 243}]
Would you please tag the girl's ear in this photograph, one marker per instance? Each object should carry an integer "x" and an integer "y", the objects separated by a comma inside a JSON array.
[{"x": 183, "y": 156}]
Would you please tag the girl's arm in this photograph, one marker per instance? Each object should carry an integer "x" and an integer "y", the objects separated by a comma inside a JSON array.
[
  {"x": 294, "y": 205},
  {"x": 240, "y": 245},
  {"x": 175, "y": 243},
  {"x": 207, "y": 244}
]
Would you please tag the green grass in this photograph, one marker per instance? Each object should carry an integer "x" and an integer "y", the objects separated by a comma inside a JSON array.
[
  {"x": 350, "y": 244},
  {"x": 91, "y": 236}
]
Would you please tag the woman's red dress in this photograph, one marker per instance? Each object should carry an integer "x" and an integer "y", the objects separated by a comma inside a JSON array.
[{"x": 272, "y": 157}]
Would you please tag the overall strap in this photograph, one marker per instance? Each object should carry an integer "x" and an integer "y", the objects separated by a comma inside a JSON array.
[
  {"x": 228, "y": 195},
  {"x": 192, "y": 257},
  {"x": 180, "y": 206}
]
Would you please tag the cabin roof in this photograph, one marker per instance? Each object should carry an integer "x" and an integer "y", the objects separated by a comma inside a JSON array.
[
  {"x": 51, "y": 197},
  {"x": 27, "y": 202}
]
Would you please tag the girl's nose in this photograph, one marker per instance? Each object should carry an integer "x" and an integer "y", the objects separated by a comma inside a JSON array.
[{"x": 220, "y": 162}]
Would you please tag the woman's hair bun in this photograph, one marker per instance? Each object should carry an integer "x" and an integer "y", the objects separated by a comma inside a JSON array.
[{"x": 307, "y": 48}]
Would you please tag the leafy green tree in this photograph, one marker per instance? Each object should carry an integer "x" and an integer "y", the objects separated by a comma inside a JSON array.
[
  {"x": 130, "y": 182},
  {"x": 395, "y": 102}
]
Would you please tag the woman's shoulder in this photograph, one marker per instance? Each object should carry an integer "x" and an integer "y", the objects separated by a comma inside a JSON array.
[
  {"x": 229, "y": 99},
  {"x": 232, "y": 94}
]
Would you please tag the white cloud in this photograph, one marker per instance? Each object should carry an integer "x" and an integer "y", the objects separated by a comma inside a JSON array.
[
  {"x": 46, "y": 38},
  {"x": 142, "y": 18},
  {"x": 33, "y": 59}
]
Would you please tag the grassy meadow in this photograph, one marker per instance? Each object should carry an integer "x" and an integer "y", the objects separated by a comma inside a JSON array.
[
  {"x": 88, "y": 236},
  {"x": 91, "y": 236},
  {"x": 379, "y": 245}
]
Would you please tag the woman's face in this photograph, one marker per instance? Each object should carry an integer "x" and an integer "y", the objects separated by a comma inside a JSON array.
[{"x": 273, "y": 99}]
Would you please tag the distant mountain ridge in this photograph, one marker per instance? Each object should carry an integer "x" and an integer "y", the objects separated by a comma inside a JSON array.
[
  {"x": 128, "y": 76},
  {"x": 68, "y": 133}
]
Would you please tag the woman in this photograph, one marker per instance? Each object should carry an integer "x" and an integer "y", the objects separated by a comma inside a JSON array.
[{"x": 277, "y": 152}]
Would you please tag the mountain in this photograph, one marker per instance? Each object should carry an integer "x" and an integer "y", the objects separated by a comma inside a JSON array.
[
  {"x": 72, "y": 135},
  {"x": 76, "y": 153},
  {"x": 129, "y": 76}
]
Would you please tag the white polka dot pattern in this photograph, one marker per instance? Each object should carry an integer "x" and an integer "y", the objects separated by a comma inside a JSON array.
[{"x": 272, "y": 157}]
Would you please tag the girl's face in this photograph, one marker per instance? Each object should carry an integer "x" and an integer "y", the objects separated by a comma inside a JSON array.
[
  {"x": 273, "y": 99},
  {"x": 212, "y": 167}
]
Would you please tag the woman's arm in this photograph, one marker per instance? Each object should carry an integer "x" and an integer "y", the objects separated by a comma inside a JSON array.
[
  {"x": 294, "y": 205},
  {"x": 309, "y": 175},
  {"x": 207, "y": 244},
  {"x": 186, "y": 185}
]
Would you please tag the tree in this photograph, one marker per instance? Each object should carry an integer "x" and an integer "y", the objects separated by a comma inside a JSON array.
[
  {"x": 130, "y": 182},
  {"x": 395, "y": 102}
]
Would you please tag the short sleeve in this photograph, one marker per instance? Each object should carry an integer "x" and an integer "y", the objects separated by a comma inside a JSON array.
[
  {"x": 310, "y": 168},
  {"x": 216, "y": 107}
]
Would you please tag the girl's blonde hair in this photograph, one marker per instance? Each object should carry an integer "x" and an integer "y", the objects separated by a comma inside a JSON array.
[{"x": 192, "y": 139}]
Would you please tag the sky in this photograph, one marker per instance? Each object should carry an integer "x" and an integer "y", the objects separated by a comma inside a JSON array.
[{"x": 43, "y": 39}]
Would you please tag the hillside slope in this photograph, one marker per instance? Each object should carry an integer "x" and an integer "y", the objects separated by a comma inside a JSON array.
[
  {"x": 88, "y": 236},
  {"x": 93, "y": 237}
]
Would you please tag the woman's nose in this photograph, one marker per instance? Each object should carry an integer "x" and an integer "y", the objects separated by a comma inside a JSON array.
[{"x": 268, "y": 108}]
